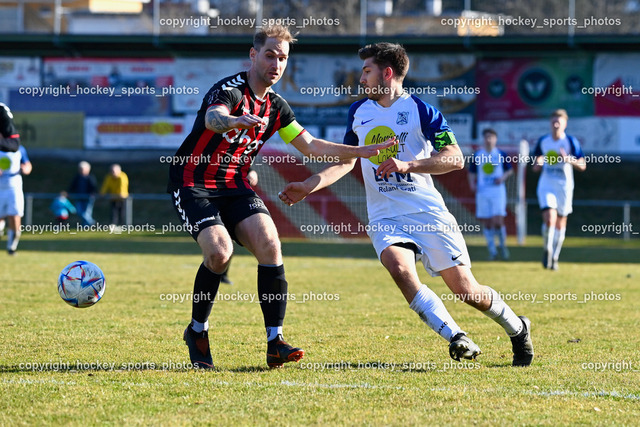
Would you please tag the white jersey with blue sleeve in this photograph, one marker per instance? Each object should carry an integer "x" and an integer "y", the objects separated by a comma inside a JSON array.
[
  {"x": 11, "y": 195},
  {"x": 10, "y": 162},
  {"x": 489, "y": 166},
  {"x": 555, "y": 186},
  {"x": 554, "y": 170},
  {"x": 491, "y": 198},
  {"x": 419, "y": 128}
]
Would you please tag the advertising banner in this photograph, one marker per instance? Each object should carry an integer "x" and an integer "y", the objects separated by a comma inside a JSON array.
[{"x": 523, "y": 88}]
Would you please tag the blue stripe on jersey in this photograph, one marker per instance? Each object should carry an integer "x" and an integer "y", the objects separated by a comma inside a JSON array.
[
  {"x": 503, "y": 159},
  {"x": 25, "y": 157},
  {"x": 537, "y": 151},
  {"x": 576, "y": 150},
  {"x": 350, "y": 137},
  {"x": 432, "y": 122},
  {"x": 473, "y": 167}
]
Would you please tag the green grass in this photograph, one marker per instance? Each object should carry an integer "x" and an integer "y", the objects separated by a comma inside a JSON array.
[{"x": 364, "y": 324}]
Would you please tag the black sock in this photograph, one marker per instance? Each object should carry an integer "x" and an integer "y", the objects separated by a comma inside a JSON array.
[
  {"x": 205, "y": 289},
  {"x": 272, "y": 291}
]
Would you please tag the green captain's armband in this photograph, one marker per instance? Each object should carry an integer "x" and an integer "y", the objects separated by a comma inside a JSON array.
[
  {"x": 443, "y": 139},
  {"x": 290, "y": 132}
]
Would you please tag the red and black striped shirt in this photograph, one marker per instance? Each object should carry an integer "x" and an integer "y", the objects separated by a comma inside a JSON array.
[{"x": 220, "y": 162}]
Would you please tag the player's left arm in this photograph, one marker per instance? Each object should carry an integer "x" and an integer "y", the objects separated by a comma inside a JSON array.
[
  {"x": 575, "y": 157},
  {"x": 26, "y": 168},
  {"x": 578, "y": 163},
  {"x": 434, "y": 127},
  {"x": 25, "y": 163},
  {"x": 506, "y": 166},
  {"x": 505, "y": 176},
  {"x": 448, "y": 159}
]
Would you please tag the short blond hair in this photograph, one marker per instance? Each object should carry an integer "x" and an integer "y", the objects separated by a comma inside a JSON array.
[
  {"x": 279, "y": 32},
  {"x": 560, "y": 112}
]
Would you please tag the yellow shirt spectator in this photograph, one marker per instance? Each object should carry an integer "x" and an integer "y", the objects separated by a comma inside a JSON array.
[{"x": 116, "y": 183}]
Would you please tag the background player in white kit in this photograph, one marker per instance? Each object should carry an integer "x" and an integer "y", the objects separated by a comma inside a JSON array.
[
  {"x": 408, "y": 219},
  {"x": 13, "y": 164},
  {"x": 556, "y": 155},
  {"x": 487, "y": 175}
]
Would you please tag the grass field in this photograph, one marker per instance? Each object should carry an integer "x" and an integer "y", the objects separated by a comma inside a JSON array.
[{"x": 369, "y": 359}]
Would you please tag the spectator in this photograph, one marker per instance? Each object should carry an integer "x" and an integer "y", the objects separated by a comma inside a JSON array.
[
  {"x": 84, "y": 187},
  {"x": 116, "y": 186},
  {"x": 62, "y": 208}
]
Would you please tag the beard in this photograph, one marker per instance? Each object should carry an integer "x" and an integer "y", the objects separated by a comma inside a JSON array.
[{"x": 377, "y": 92}]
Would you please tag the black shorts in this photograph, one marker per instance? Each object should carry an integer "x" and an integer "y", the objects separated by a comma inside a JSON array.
[{"x": 198, "y": 211}]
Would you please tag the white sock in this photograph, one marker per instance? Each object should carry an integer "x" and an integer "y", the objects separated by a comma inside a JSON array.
[
  {"x": 198, "y": 326},
  {"x": 433, "y": 312},
  {"x": 489, "y": 237},
  {"x": 13, "y": 237},
  {"x": 273, "y": 332},
  {"x": 557, "y": 242},
  {"x": 548, "y": 234},
  {"x": 502, "y": 235},
  {"x": 502, "y": 314}
]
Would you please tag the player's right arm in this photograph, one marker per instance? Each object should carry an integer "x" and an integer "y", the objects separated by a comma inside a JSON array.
[
  {"x": 219, "y": 120},
  {"x": 297, "y": 191}
]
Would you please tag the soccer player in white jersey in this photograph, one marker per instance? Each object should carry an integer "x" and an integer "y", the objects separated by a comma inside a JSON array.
[
  {"x": 408, "y": 219},
  {"x": 556, "y": 155},
  {"x": 487, "y": 175},
  {"x": 14, "y": 163}
]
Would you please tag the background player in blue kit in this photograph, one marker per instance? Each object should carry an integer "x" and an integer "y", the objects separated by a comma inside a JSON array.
[
  {"x": 488, "y": 172},
  {"x": 556, "y": 155},
  {"x": 215, "y": 201},
  {"x": 408, "y": 219}
]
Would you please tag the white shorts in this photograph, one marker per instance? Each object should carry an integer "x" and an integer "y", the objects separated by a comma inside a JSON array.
[
  {"x": 557, "y": 197},
  {"x": 491, "y": 202},
  {"x": 436, "y": 234},
  {"x": 11, "y": 202}
]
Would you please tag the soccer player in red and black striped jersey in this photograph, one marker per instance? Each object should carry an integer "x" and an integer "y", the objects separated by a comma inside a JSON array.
[{"x": 215, "y": 202}]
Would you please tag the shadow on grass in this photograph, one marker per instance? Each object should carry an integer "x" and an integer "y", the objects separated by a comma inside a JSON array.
[
  {"x": 251, "y": 369},
  {"x": 186, "y": 246},
  {"x": 591, "y": 254}
]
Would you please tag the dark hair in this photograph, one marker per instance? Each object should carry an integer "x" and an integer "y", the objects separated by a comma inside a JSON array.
[
  {"x": 387, "y": 55},
  {"x": 279, "y": 32},
  {"x": 489, "y": 130}
]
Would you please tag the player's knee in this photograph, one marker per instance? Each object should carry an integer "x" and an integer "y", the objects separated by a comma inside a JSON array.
[
  {"x": 216, "y": 263},
  {"x": 217, "y": 260},
  {"x": 269, "y": 251},
  {"x": 397, "y": 270}
]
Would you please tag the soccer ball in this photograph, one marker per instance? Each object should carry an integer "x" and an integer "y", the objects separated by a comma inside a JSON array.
[{"x": 81, "y": 284}]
